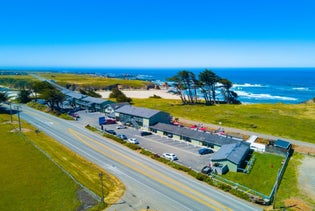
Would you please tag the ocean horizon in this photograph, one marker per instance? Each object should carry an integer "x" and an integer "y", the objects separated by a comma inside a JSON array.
[{"x": 253, "y": 85}]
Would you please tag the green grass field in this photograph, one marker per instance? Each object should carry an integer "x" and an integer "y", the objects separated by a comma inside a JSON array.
[
  {"x": 30, "y": 181},
  {"x": 92, "y": 80},
  {"x": 289, "y": 121}
]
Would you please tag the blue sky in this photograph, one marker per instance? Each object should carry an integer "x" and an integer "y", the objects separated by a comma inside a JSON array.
[{"x": 173, "y": 33}]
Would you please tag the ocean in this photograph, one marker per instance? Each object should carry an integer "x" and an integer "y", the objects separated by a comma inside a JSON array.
[{"x": 253, "y": 85}]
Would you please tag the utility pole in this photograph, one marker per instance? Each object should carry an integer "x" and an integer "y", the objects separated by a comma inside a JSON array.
[
  {"x": 18, "y": 110},
  {"x": 101, "y": 178},
  {"x": 11, "y": 112}
]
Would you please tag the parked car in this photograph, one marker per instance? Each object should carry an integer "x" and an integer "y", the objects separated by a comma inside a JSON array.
[
  {"x": 122, "y": 136},
  {"x": 206, "y": 170},
  {"x": 121, "y": 127},
  {"x": 204, "y": 151},
  {"x": 110, "y": 121},
  {"x": 111, "y": 132},
  {"x": 145, "y": 133},
  {"x": 170, "y": 156},
  {"x": 133, "y": 140}
]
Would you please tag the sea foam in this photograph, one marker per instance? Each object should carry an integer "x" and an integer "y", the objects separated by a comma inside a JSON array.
[
  {"x": 247, "y": 85},
  {"x": 263, "y": 96}
]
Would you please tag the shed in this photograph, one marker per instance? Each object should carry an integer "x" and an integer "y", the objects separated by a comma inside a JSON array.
[{"x": 282, "y": 144}]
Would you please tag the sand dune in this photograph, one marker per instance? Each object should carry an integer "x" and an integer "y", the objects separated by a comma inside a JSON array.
[{"x": 143, "y": 94}]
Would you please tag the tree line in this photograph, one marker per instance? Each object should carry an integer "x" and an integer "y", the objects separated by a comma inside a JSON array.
[
  {"x": 52, "y": 96},
  {"x": 208, "y": 85}
]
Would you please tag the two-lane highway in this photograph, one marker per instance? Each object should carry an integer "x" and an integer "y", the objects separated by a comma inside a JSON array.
[{"x": 148, "y": 183}]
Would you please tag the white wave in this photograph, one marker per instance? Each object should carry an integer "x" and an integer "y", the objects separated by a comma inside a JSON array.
[
  {"x": 263, "y": 96},
  {"x": 248, "y": 85},
  {"x": 301, "y": 88}
]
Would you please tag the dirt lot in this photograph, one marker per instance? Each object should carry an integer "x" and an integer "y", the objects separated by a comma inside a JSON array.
[{"x": 306, "y": 176}]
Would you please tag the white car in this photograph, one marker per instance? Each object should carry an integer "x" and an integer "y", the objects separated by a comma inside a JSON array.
[
  {"x": 170, "y": 156},
  {"x": 121, "y": 127},
  {"x": 133, "y": 140}
]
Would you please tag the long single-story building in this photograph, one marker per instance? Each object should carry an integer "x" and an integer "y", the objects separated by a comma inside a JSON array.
[
  {"x": 232, "y": 155},
  {"x": 141, "y": 117},
  {"x": 192, "y": 136},
  {"x": 86, "y": 102}
]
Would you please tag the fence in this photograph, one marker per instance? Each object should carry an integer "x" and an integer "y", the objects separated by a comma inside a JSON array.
[
  {"x": 240, "y": 187},
  {"x": 272, "y": 195},
  {"x": 260, "y": 197}
]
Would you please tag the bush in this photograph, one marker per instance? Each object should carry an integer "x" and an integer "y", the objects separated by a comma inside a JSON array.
[
  {"x": 119, "y": 95},
  {"x": 66, "y": 116},
  {"x": 146, "y": 152},
  {"x": 132, "y": 146},
  {"x": 37, "y": 106},
  {"x": 90, "y": 128},
  {"x": 155, "y": 96}
]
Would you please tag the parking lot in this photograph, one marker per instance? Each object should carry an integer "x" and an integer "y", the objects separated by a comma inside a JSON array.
[{"x": 186, "y": 153}]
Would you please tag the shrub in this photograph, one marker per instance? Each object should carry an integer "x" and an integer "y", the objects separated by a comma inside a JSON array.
[
  {"x": 66, "y": 116},
  {"x": 155, "y": 96},
  {"x": 146, "y": 152},
  {"x": 90, "y": 128}
]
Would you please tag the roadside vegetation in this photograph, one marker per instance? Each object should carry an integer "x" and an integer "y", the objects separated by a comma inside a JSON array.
[
  {"x": 44, "y": 108},
  {"x": 27, "y": 170},
  {"x": 293, "y": 121}
]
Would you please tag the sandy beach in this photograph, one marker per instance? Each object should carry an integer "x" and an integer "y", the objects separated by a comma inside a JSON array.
[{"x": 143, "y": 94}]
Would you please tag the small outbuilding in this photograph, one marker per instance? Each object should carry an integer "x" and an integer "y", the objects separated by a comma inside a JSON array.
[
  {"x": 285, "y": 145},
  {"x": 232, "y": 155}
]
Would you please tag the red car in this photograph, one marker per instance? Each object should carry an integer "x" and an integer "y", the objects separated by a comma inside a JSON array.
[{"x": 110, "y": 121}]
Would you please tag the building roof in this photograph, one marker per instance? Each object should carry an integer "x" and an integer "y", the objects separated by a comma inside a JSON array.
[
  {"x": 282, "y": 144},
  {"x": 232, "y": 152},
  {"x": 73, "y": 94},
  {"x": 95, "y": 100},
  {"x": 87, "y": 99},
  {"x": 193, "y": 134},
  {"x": 137, "y": 111},
  {"x": 115, "y": 106}
]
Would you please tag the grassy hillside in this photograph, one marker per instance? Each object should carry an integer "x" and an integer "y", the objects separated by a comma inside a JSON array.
[
  {"x": 29, "y": 180},
  {"x": 83, "y": 80},
  {"x": 289, "y": 121}
]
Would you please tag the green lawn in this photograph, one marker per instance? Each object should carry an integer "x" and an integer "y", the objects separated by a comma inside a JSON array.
[
  {"x": 263, "y": 174},
  {"x": 28, "y": 179},
  {"x": 289, "y": 121}
]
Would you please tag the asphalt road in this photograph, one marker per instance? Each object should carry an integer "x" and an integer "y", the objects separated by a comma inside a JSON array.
[{"x": 148, "y": 183}]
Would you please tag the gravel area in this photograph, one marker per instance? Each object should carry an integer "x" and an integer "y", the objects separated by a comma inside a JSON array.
[{"x": 307, "y": 176}]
